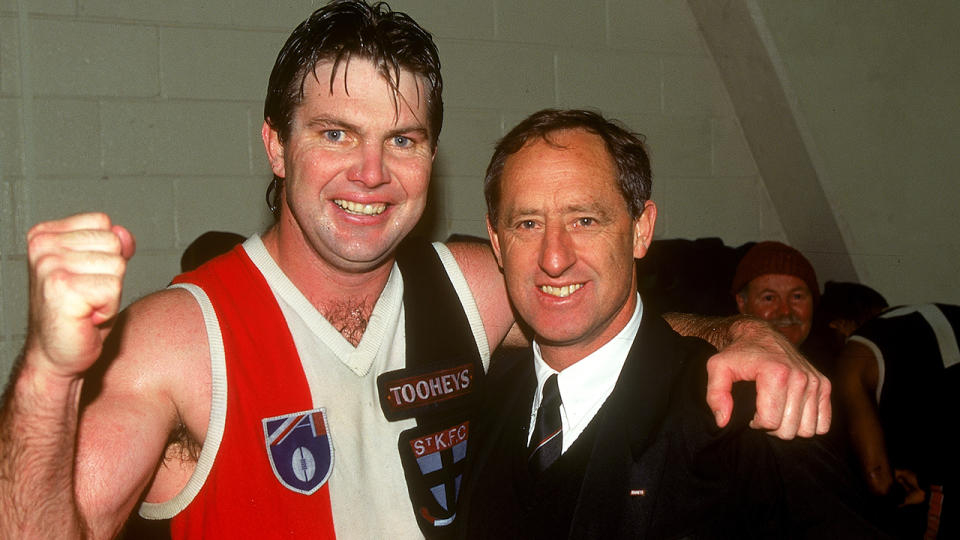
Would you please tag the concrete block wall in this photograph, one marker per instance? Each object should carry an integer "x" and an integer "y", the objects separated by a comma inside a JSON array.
[{"x": 151, "y": 111}]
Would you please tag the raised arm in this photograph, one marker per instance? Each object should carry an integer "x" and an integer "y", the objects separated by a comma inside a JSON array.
[
  {"x": 793, "y": 398},
  {"x": 68, "y": 470}
]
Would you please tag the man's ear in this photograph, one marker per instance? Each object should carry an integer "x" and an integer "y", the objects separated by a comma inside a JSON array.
[
  {"x": 274, "y": 148},
  {"x": 741, "y": 303},
  {"x": 643, "y": 229},
  {"x": 494, "y": 241}
]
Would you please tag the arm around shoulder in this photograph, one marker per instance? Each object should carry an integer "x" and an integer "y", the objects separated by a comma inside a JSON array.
[
  {"x": 793, "y": 398},
  {"x": 486, "y": 283}
]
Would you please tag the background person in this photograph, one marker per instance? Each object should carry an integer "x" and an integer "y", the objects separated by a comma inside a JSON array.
[
  {"x": 777, "y": 283},
  {"x": 898, "y": 380}
]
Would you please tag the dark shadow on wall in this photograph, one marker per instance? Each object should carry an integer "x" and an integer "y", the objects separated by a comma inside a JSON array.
[
  {"x": 689, "y": 276},
  {"x": 429, "y": 226}
]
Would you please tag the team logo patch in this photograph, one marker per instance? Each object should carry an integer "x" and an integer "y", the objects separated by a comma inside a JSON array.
[
  {"x": 434, "y": 463},
  {"x": 407, "y": 393},
  {"x": 299, "y": 449}
]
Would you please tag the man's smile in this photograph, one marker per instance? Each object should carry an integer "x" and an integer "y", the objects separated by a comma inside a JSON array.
[
  {"x": 361, "y": 209},
  {"x": 562, "y": 292}
]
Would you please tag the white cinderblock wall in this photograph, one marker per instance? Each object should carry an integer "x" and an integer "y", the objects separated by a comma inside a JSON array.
[
  {"x": 151, "y": 111},
  {"x": 877, "y": 87}
]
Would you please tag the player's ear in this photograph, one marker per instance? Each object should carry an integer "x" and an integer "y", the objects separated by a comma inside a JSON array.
[
  {"x": 494, "y": 241},
  {"x": 274, "y": 148},
  {"x": 643, "y": 229}
]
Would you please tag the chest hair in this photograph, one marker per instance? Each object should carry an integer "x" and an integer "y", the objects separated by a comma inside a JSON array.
[{"x": 349, "y": 317}]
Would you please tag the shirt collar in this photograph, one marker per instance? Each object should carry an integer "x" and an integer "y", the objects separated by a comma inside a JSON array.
[{"x": 593, "y": 376}]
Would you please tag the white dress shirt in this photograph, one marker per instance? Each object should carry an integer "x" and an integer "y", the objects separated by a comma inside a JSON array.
[{"x": 586, "y": 385}]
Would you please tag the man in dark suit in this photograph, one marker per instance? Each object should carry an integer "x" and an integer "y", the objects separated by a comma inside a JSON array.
[{"x": 603, "y": 433}]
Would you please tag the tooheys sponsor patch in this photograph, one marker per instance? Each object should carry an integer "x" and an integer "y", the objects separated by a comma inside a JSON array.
[{"x": 407, "y": 393}]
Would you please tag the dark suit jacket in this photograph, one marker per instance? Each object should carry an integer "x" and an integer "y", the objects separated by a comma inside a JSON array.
[{"x": 656, "y": 465}]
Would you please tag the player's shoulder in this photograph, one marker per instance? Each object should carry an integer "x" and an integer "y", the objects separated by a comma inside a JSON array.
[
  {"x": 469, "y": 250},
  {"x": 168, "y": 316},
  {"x": 476, "y": 261},
  {"x": 160, "y": 340}
]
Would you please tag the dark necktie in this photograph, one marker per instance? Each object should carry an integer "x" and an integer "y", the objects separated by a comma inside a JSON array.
[{"x": 546, "y": 443}]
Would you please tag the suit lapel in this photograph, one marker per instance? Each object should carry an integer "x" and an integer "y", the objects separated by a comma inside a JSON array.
[
  {"x": 629, "y": 420},
  {"x": 509, "y": 400},
  {"x": 498, "y": 432}
]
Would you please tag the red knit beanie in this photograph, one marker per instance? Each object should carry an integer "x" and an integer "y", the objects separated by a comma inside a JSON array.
[{"x": 774, "y": 258}]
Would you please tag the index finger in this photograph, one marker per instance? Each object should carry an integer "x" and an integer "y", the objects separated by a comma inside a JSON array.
[
  {"x": 719, "y": 397},
  {"x": 90, "y": 220},
  {"x": 91, "y": 231}
]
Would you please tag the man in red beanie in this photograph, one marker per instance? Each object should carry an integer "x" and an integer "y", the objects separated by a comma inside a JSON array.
[{"x": 777, "y": 283}]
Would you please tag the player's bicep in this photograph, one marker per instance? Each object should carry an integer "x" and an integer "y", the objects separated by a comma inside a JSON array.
[
  {"x": 120, "y": 444},
  {"x": 153, "y": 365}
]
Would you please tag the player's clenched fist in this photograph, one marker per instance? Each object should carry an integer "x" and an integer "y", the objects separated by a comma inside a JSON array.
[{"x": 76, "y": 277}]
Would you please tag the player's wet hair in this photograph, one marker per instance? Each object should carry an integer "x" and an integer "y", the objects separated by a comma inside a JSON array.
[{"x": 339, "y": 32}]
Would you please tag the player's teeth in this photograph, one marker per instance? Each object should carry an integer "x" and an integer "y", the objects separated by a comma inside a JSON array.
[{"x": 361, "y": 209}]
